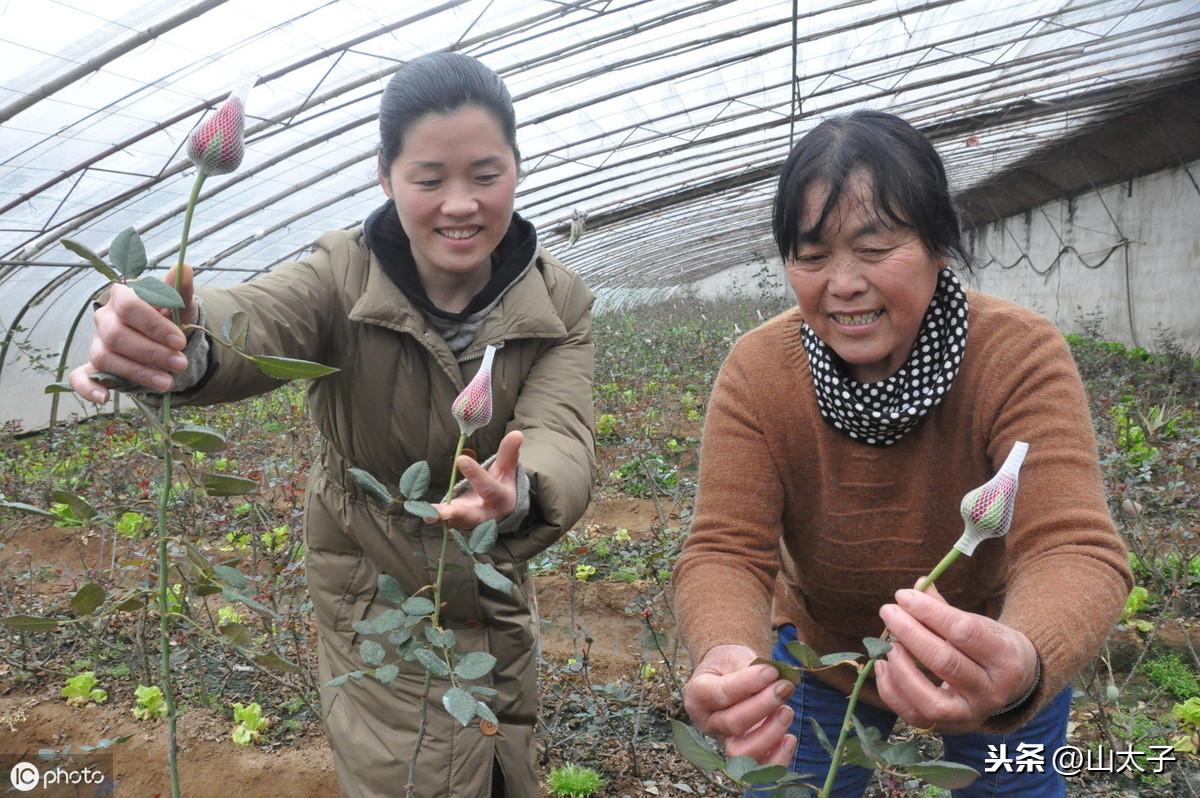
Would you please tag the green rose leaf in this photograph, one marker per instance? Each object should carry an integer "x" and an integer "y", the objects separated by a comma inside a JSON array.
[
  {"x": 338, "y": 681},
  {"x": 80, "y": 507},
  {"x": 414, "y": 483},
  {"x": 87, "y": 599},
  {"x": 400, "y": 637},
  {"x": 30, "y": 623},
  {"x": 868, "y": 738},
  {"x": 736, "y": 767},
  {"x": 441, "y": 638},
  {"x": 386, "y": 621},
  {"x": 231, "y": 576},
  {"x": 237, "y": 329},
  {"x": 821, "y": 738},
  {"x": 93, "y": 259},
  {"x": 483, "y": 537},
  {"x": 947, "y": 775},
  {"x": 112, "y": 381},
  {"x": 371, "y": 486},
  {"x": 876, "y": 647},
  {"x": 905, "y": 753},
  {"x": 432, "y": 662},
  {"x": 236, "y": 633},
  {"x": 461, "y": 542},
  {"x": 417, "y": 606},
  {"x": 420, "y": 509},
  {"x": 474, "y": 665},
  {"x": 853, "y": 754},
  {"x": 273, "y": 661},
  {"x": 785, "y": 670},
  {"x": 804, "y": 654},
  {"x": 58, "y": 387},
  {"x": 389, "y": 588},
  {"x": 694, "y": 747},
  {"x": 479, "y": 690},
  {"x": 460, "y": 704},
  {"x": 371, "y": 652},
  {"x": 289, "y": 368},
  {"x": 764, "y": 775},
  {"x": 485, "y": 712},
  {"x": 232, "y": 595},
  {"x": 27, "y": 508},
  {"x": 386, "y": 674},
  {"x": 128, "y": 253},
  {"x": 227, "y": 485},
  {"x": 487, "y": 573},
  {"x": 202, "y": 439},
  {"x": 157, "y": 293},
  {"x": 841, "y": 658}
]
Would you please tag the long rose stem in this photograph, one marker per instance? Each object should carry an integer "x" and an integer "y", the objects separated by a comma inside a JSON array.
[
  {"x": 835, "y": 762},
  {"x": 436, "y": 619},
  {"x": 164, "y": 620}
]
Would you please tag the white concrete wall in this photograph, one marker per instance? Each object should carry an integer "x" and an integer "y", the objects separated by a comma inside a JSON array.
[{"x": 1147, "y": 228}]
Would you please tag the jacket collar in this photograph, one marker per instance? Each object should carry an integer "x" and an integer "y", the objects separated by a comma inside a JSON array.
[{"x": 525, "y": 311}]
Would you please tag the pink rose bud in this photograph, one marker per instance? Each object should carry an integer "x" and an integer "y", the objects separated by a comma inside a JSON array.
[
  {"x": 217, "y": 146},
  {"x": 988, "y": 510},
  {"x": 473, "y": 407}
]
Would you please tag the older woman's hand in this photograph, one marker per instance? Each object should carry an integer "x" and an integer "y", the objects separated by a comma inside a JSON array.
[
  {"x": 743, "y": 705},
  {"x": 983, "y": 664}
]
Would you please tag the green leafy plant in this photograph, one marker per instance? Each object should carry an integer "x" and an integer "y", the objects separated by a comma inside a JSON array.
[
  {"x": 584, "y": 572},
  {"x": 132, "y": 525},
  {"x": 150, "y": 704},
  {"x": 413, "y": 626},
  {"x": 1139, "y": 598},
  {"x": 1188, "y": 715},
  {"x": 1173, "y": 675},
  {"x": 574, "y": 781},
  {"x": 249, "y": 723},
  {"x": 81, "y": 690}
]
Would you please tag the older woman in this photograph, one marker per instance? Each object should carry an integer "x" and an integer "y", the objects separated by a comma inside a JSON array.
[{"x": 839, "y": 440}]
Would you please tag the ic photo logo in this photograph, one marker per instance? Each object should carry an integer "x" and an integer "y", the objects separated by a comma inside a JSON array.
[{"x": 24, "y": 776}]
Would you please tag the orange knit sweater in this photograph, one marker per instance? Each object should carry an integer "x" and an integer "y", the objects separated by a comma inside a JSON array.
[{"x": 797, "y": 523}]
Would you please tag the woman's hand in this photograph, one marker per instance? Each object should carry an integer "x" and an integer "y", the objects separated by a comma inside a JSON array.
[
  {"x": 137, "y": 341},
  {"x": 492, "y": 494},
  {"x": 743, "y": 705},
  {"x": 983, "y": 664}
]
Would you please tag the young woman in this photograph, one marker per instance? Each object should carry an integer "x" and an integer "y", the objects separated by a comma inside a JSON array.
[
  {"x": 404, "y": 306},
  {"x": 841, "y": 437}
]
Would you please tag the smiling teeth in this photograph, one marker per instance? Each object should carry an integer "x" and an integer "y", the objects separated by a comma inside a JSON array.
[
  {"x": 458, "y": 234},
  {"x": 857, "y": 319}
]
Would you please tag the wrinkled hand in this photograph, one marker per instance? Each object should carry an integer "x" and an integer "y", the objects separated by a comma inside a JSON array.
[
  {"x": 492, "y": 494},
  {"x": 137, "y": 341},
  {"x": 983, "y": 664},
  {"x": 743, "y": 705}
]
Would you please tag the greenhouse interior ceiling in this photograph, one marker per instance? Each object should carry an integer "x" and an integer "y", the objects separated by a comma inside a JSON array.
[{"x": 651, "y": 131}]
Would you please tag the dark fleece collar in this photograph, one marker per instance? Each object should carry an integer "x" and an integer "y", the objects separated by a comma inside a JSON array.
[{"x": 387, "y": 239}]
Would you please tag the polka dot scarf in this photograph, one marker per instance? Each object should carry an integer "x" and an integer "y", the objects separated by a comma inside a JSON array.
[{"x": 881, "y": 413}]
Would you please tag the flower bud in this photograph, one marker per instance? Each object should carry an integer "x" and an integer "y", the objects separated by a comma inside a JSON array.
[
  {"x": 217, "y": 145},
  {"x": 473, "y": 407},
  {"x": 987, "y": 511}
]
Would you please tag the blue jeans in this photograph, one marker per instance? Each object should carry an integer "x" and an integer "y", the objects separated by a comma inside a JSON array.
[{"x": 815, "y": 699}]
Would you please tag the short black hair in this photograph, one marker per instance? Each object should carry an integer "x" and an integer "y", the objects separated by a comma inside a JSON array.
[
  {"x": 440, "y": 83},
  {"x": 908, "y": 176}
]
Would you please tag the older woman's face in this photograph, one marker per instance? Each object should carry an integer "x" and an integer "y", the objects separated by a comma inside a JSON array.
[{"x": 863, "y": 287}]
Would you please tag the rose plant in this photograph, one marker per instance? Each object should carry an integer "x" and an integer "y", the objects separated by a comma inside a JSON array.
[{"x": 987, "y": 513}]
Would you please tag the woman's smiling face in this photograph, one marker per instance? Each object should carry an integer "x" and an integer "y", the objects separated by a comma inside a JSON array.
[
  {"x": 862, "y": 284},
  {"x": 453, "y": 185}
]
